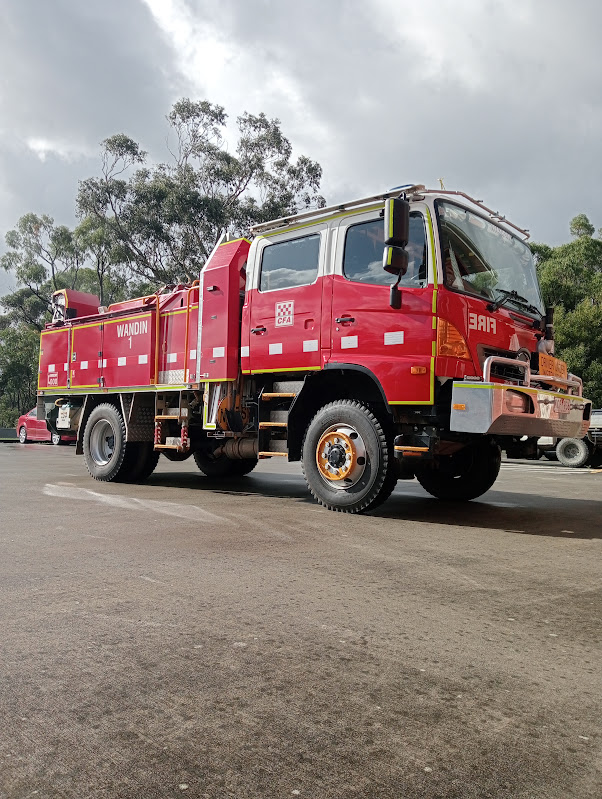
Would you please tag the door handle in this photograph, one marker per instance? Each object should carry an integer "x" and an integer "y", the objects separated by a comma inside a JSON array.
[
  {"x": 340, "y": 320},
  {"x": 258, "y": 329}
]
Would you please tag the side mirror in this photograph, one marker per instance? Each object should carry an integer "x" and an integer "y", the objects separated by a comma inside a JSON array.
[
  {"x": 395, "y": 260},
  {"x": 397, "y": 222}
]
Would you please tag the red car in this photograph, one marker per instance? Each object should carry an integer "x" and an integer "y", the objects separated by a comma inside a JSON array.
[{"x": 30, "y": 428}]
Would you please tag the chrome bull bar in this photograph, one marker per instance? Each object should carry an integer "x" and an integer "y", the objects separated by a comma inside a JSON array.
[
  {"x": 571, "y": 382},
  {"x": 524, "y": 409}
]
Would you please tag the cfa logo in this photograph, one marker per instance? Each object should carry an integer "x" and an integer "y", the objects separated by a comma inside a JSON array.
[
  {"x": 480, "y": 322},
  {"x": 284, "y": 313}
]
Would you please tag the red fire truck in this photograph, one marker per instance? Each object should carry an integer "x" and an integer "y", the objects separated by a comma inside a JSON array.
[{"x": 402, "y": 335}]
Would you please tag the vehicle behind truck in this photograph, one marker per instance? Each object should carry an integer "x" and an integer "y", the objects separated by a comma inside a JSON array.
[
  {"x": 576, "y": 452},
  {"x": 401, "y": 335}
]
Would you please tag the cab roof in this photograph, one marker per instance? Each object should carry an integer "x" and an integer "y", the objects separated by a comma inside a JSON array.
[{"x": 411, "y": 191}]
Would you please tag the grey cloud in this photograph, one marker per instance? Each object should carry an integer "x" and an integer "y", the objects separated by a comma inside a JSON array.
[
  {"x": 524, "y": 134},
  {"x": 74, "y": 73},
  {"x": 520, "y": 127},
  {"x": 79, "y": 71}
]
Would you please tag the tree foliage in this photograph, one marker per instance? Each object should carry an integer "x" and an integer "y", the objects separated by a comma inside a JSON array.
[
  {"x": 571, "y": 280},
  {"x": 166, "y": 219},
  {"x": 19, "y": 345}
]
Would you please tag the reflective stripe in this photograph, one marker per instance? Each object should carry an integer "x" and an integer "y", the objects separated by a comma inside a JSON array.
[{"x": 394, "y": 337}]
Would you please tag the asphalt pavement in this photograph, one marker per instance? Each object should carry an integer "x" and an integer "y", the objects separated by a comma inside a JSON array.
[{"x": 191, "y": 638}]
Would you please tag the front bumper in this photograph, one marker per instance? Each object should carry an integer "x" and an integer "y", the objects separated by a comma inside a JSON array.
[{"x": 517, "y": 410}]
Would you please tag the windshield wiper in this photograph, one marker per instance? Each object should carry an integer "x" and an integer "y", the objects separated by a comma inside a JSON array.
[{"x": 512, "y": 296}]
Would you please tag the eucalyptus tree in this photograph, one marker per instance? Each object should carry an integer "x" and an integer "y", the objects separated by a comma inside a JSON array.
[{"x": 166, "y": 218}]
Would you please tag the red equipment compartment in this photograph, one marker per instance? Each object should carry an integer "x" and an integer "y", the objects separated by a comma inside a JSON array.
[
  {"x": 219, "y": 332},
  {"x": 54, "y": 358},
  {"x": 86, "y": 355},
  {"x": 127, "y": 347},
  {"x": 178, "y": 326}
]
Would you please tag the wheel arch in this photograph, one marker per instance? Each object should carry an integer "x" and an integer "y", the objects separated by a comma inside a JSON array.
[
  {"x": 334, "y": 382},
  {"x": 90, "y": 402}
]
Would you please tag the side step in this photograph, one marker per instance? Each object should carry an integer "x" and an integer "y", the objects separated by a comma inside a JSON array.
[
  {"x": 272, "y": 433},
  {"x": 266, "y": 396}
]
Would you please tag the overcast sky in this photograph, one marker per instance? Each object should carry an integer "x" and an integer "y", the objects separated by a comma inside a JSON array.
[{"x": 502, "y": 100}]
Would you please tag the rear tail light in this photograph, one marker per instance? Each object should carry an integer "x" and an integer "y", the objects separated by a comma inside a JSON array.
[{"x": 450, "y": 342}]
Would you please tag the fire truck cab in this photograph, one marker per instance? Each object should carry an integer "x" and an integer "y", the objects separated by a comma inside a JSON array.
[{"x": 395, "y": 336}]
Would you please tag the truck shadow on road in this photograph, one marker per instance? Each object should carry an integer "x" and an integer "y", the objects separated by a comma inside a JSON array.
[
  {"x": 273, "y": 486},
  {"x": 523, "y": 514}
]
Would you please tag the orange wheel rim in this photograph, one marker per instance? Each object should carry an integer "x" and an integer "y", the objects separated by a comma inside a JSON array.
[{"x": 336, "y": 455}]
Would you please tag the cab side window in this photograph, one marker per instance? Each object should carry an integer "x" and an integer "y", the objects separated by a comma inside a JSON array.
[
  {"x": 363, "y": 256},
  {"x": 290, "y": 263}
]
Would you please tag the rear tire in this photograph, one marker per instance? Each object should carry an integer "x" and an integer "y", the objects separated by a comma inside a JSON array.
[
  {"x": 347, "y": 458},
  {"x": 104, "y": 444},
  {"x": 56, "y": 439},
  {"x": 244, "y": 466},
  {"x": 221, "y": 466},
  {"x": 465, "y": 475},
  {"x": 175, "y": 456},
  {"x": 140, "y": 462},
  {"x": 573, "y": 452}
]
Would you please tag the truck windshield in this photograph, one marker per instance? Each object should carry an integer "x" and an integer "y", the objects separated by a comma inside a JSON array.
[{"x": 483, "y": 259}]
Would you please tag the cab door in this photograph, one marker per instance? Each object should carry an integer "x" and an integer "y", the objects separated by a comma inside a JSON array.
[
  {"x": 396, "y": 345},
  {"x": 285, "y": 303}
]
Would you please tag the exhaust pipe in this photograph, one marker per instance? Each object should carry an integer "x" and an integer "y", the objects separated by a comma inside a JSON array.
[{"x": 239, "y": 448}]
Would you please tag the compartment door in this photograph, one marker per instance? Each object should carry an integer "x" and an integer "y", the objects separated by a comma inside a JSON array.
[
  {"x": 54, "y": 359},
  {"x": 86, "y": 355}
]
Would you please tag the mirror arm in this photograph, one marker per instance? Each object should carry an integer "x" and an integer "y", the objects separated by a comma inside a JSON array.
[{"x": 395, "y": 295}]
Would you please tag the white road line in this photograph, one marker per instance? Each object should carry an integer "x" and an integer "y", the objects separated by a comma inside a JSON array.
[
  {"x": 192, "y": 512},
  {"x": 558, "y": 470}
]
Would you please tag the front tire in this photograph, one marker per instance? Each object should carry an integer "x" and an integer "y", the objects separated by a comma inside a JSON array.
[
  {"x": 465, "y": 475},
  {"x": 23, "y": 435},
  {"x": 104, "y": 444},
  {"x": 347, "y": 458},
  {"x": 573, "y": 452}
]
